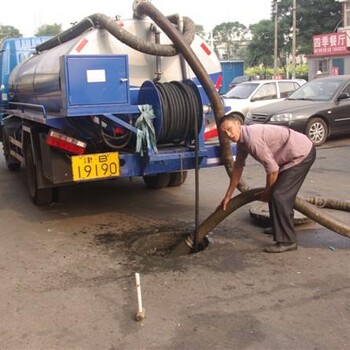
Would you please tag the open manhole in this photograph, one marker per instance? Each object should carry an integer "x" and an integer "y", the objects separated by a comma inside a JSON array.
[
  {"x": 162, "y": 243},
  {"x": 260, "y": 213}
]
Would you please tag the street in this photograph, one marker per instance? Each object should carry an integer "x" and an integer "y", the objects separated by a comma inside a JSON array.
[{"x": 68, "y": 270}]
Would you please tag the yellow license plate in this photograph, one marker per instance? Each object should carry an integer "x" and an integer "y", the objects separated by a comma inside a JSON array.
[{"x": 95, "y": 166}]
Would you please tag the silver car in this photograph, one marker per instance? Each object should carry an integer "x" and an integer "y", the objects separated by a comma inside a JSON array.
[
  {"x": 256, "y": 93},
  {"x": 318, "y": 109}
]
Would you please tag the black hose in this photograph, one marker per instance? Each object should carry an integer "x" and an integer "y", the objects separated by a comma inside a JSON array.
[
  {"x": 180, "y": 107},
  {"x": 181, "y": 43},
  {"x": 99, "y": 20},
  {"x": 225, "y": 147},
  {"x": 69, "y": 34},
  {"x": 108, "y": 139},
  {"x": 114, "y": 146}
]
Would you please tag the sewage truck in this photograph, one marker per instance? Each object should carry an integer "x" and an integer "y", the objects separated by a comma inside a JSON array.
[{"x": 106, "y": 98}]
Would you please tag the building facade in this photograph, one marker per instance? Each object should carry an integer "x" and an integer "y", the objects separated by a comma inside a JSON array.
[{"x": 331, "y": 51}]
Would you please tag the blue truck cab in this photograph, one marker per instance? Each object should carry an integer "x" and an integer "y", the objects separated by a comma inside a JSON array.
[{"x": 12, "y": 52}]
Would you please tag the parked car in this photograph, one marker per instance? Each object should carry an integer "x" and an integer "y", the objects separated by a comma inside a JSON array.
[
  {"x": 257, "y": 93},
  {"x": 319, "y": 108},
  {"x": 239, "y": 79}
]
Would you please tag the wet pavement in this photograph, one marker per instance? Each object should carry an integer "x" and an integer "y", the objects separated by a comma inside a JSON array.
[{"x": 68, "y": 271}]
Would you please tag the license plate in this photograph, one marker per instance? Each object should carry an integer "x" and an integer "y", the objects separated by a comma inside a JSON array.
[{"x": 95, "y": 166}]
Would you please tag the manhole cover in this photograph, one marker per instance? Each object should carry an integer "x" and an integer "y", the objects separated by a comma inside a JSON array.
[{"x": 261, "y": 214}]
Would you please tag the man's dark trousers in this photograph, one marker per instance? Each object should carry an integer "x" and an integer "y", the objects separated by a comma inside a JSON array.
[{"x": 283, "y": 197}]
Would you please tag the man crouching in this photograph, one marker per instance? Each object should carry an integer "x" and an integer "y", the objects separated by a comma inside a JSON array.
[{"x": 287, "y": 157}]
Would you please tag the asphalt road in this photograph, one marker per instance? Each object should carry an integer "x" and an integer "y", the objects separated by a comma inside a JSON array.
[{"x": 68, "y": 271}]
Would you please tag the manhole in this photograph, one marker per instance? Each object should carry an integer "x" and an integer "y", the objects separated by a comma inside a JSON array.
[
  {"x": 261, "y": 214},
  {"x": 161, "y": 243}
]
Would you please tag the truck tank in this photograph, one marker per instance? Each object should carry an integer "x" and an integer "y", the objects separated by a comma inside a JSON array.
[
  {"x": 37, "y": 80},
  {"x": 12, "y": 52},
  {"x": 114, "y": 98}
]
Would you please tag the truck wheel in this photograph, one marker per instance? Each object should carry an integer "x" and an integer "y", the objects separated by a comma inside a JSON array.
[
  {"x": 12, "y": 163},
  {"x": 157, "y": 181},
  {"x": 177, "y": 179},
  {"x": 39, "y": 196},
  {"x": 317, "y": 131}
]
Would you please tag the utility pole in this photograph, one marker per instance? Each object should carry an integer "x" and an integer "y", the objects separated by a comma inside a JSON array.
[
  {"x": 275, "y": 65},
  {"x": 211, "y": 39},
  {"x": 294, "y": 38}
]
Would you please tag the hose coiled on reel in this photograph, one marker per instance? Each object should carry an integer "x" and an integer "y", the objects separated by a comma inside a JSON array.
[{"x": 180, "y": 106}]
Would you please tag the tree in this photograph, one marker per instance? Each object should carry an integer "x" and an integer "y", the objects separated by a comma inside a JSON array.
[
  {"x": 49, "y": 29},
  {"x": 200, "y": 31},
  {"x": 8, "y": 32},
  {"x": 260, "y": 49},
  {"x": 232, "y": 37},
  {"x": 312, "y": 16}
]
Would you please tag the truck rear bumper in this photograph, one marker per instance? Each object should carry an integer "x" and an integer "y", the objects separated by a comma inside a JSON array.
[{"x": 58, "y": 170}]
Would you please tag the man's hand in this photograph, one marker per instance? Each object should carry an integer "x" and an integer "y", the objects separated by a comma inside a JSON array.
[
  {"x": 264, "y": 196},
  {"x": 224, "y": 203}
]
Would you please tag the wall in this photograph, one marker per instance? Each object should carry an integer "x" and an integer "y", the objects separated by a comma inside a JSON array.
[{"x": 230, "y": 69}]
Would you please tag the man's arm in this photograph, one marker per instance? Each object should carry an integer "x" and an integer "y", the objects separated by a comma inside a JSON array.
[
  {"x": 234, "y": 180},
  {"x": 270, "y": 181}
]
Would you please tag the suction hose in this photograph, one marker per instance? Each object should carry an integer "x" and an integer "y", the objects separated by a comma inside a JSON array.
[
  {"x": 146, "y": 8},
  {"x": 187, "y": 247},
  {"x": 309, "y": 210},
  {"x": 182, "y": 44},
  {"x": 225, "y": 148},
  {"x": 99, "y": 20}
]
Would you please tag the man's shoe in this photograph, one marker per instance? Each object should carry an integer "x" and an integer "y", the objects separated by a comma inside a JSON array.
[
  {"x": 268, "y": 231},
  {"x": 281, "y": 247}
]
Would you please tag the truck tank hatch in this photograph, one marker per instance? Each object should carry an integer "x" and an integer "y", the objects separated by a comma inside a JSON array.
[{"x": 94, "y": 82}]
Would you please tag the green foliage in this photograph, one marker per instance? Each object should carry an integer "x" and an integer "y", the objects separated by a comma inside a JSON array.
[
  {"x": 8, "y": 32},
  {"x": 49, "y": 29},
  {"x": 312, "y": 17},
  {"x": 260, "y": 48},
  {"x": 301, "y": 71},
  {"x": 232, "y": 36},
  {"x": 200, "y": 31}
]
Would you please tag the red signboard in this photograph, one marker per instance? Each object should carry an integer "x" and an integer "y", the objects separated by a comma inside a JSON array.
[{"x": 330, "y": 44}]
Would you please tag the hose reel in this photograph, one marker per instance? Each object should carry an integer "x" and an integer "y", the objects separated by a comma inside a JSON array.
[{"x": 175, "y": 105}]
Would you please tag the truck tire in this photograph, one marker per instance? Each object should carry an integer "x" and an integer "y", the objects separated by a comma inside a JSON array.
[
  {"x": 12, "y": 163},
  {"x": 157, "y": 181},
  {"x": 177, "y": 179},
  {"x": 39, "y": 196}
]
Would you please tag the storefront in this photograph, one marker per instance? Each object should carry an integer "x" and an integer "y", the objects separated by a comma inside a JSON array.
[{"x": 331, "y": 55}]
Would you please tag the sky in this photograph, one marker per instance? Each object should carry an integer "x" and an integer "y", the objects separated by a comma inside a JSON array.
[{"x": 34, "y": 13}]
